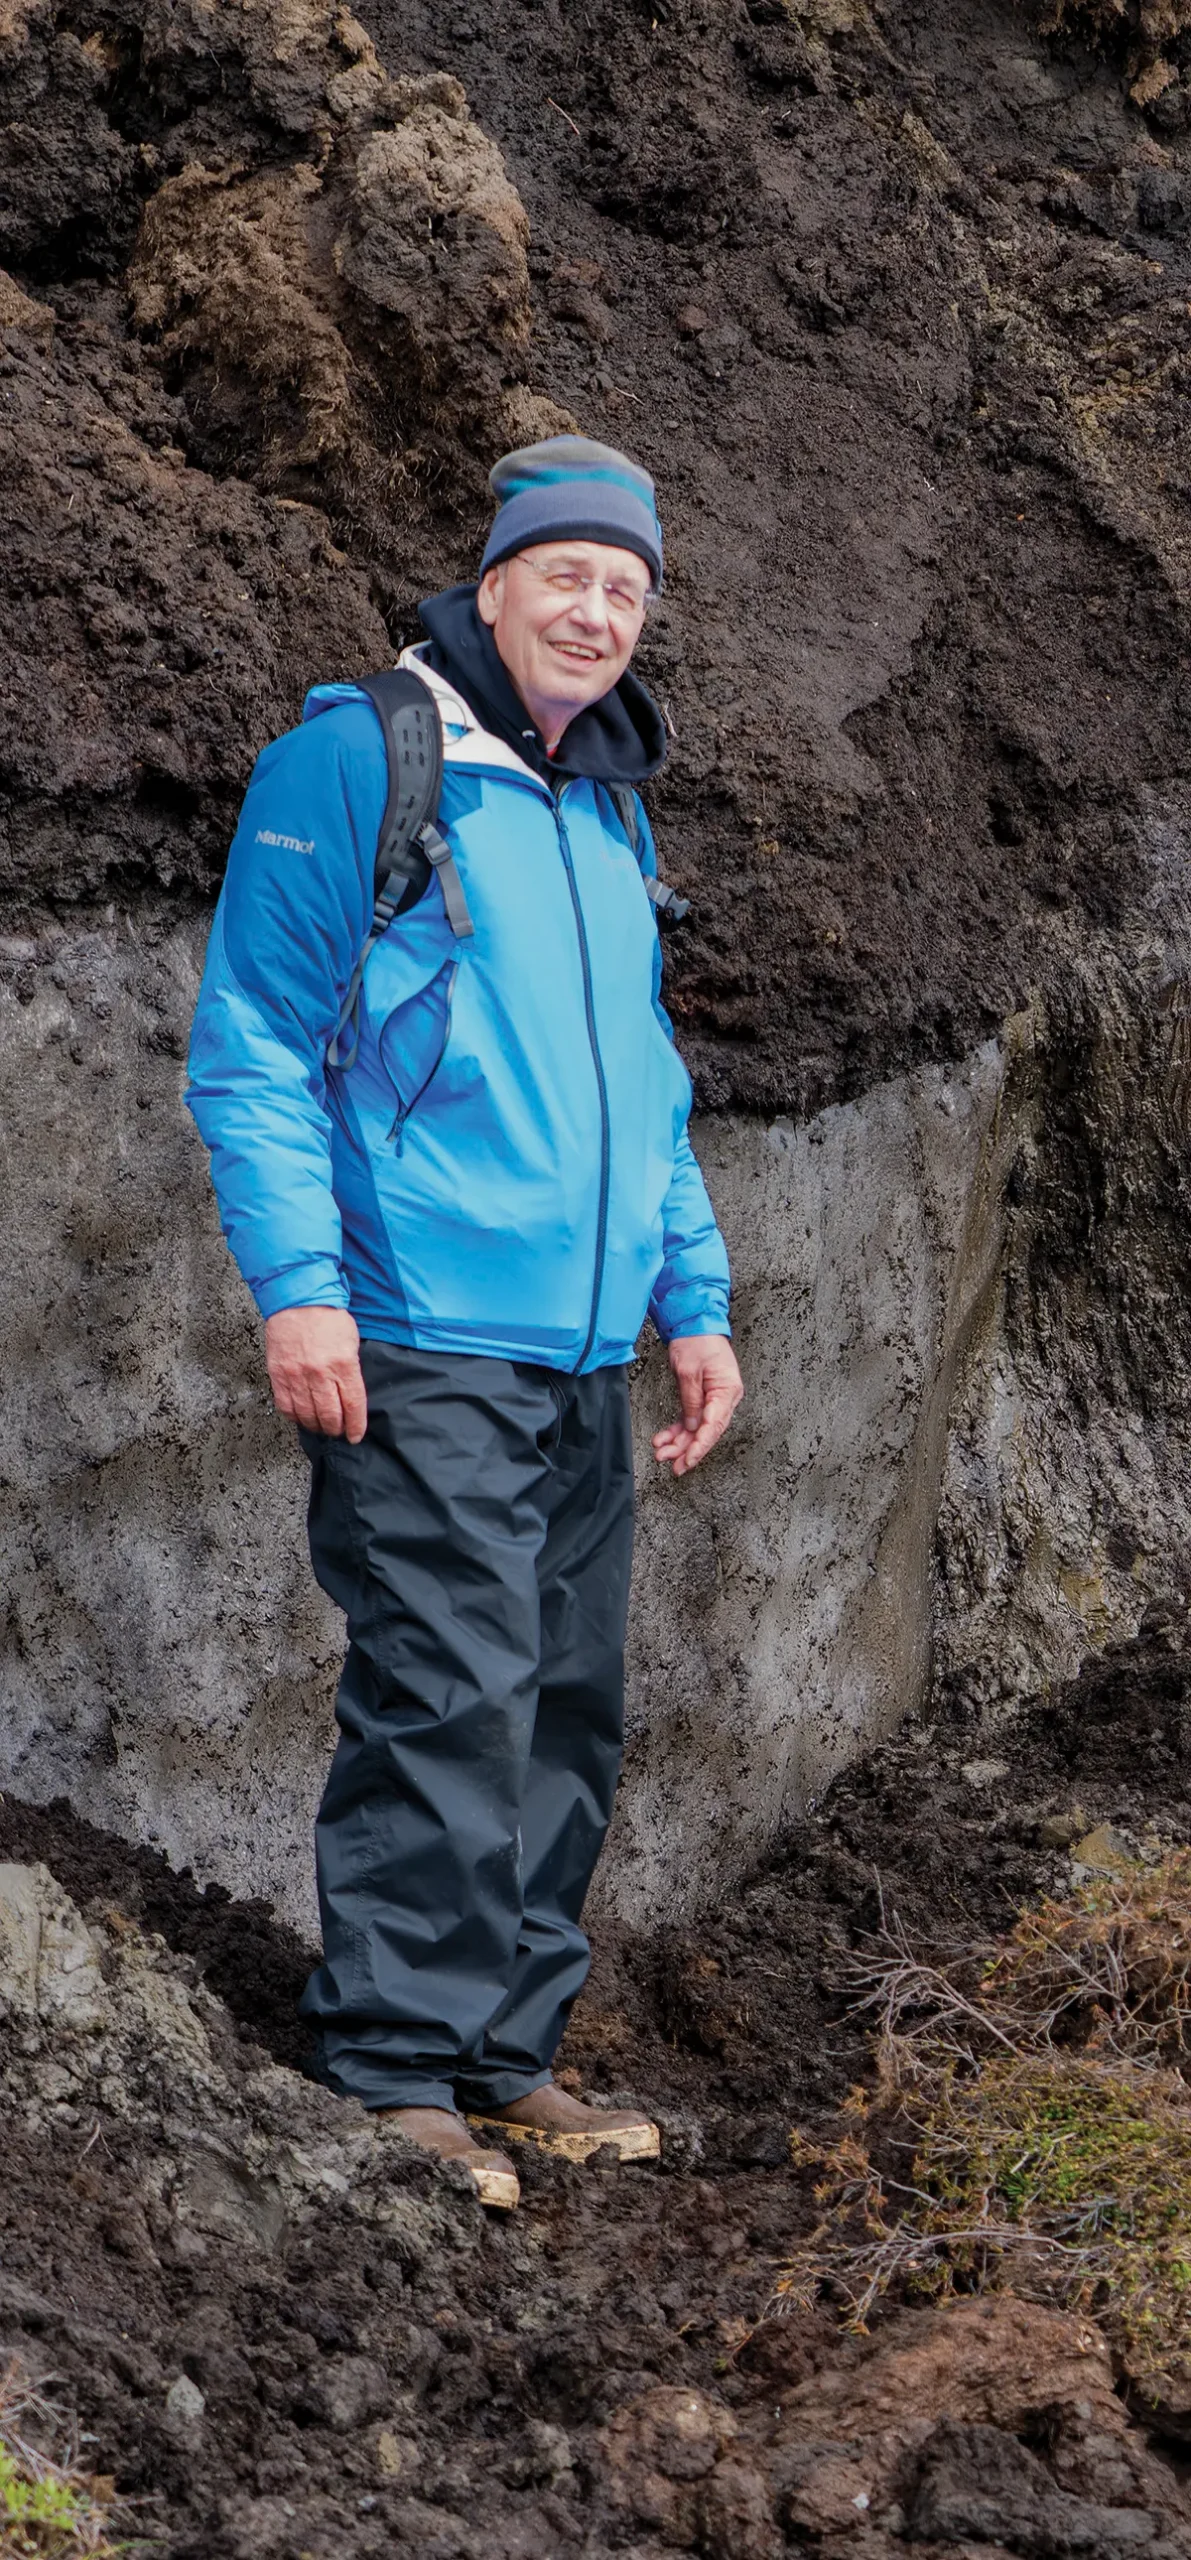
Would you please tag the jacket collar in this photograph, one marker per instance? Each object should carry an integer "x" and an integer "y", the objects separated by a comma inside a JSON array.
[{"x": 621, "y": 739}]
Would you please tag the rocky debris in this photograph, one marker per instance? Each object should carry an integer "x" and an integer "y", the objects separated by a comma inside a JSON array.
[
  {"x": 185, "y": 2403},
  {"x": 660, "y": 2452},
  {"x": 1103, "y": 1852},
  {"x": 241, "y": 2244},
  {"x": 993, "y": 2421},
  {"x": 991, "y": 2363},
  {"x": 49, "y": 1964},
  {"x": 253, "y": 1964}
]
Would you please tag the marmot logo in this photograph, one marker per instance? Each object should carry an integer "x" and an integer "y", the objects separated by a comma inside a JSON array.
[{"x": 290, "y": 844}]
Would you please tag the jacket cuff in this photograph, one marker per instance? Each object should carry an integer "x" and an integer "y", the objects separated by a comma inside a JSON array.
[
  {"x": 305, "y": 1284},
  {"x": 676, "y": 1319}
]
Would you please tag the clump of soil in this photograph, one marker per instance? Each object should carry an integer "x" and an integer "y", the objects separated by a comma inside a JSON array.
[
  {"x": 382, "y": 2368},
  {"x": 261, "y": 270},
  {"x": 156, "y": 626},
  {"x": 1154, "y": 38}
]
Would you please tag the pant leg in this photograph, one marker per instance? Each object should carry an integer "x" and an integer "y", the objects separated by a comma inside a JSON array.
[
  {"x": 428, "y": 1534},
  {"x": 583, "y": 1573}
]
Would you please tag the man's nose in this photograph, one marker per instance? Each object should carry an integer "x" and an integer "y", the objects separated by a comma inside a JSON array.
[{"x": 590, "y": 608}]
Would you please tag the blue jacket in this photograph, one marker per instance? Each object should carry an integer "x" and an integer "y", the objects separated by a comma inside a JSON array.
[{"x": 505, "y": 1166}]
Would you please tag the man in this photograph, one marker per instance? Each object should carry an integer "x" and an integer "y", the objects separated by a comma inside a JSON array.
[{"x": 453, "y": 1240}]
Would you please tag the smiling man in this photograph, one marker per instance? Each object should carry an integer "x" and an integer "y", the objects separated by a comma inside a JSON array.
[{"x": 454, "y": 1225}]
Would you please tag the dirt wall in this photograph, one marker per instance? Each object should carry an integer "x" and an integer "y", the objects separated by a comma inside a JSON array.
[
  {"x": 896, "y": 310},
  {"x": 961, "y": 1309},
  {"x": 166, "y": 1659}
]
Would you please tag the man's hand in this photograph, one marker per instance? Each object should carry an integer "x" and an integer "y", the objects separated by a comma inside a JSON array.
[
  {"x": 314, "y": 1370},
  {"x": 710, "y": 1386}
]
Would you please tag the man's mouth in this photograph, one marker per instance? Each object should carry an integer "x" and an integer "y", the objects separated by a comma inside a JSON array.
[{"x": 582, "y": 656}]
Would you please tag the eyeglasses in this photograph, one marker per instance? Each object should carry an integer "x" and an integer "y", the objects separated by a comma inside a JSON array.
[{"x": 621, "y": 595}]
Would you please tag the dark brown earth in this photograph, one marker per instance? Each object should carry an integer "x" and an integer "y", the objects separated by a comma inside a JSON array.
[
  {"x": 896, "y": 311},
  {"x": 896, "y": 308},
  {"x": 524, "y": 2358}
]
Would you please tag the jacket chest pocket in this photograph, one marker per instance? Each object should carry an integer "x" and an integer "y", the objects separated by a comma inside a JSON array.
[{"x": 413, "y": 1044}]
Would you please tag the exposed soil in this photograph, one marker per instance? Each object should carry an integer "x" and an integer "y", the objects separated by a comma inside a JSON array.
[
  {"x": 460, "y": 2385},
  {"x": 857, "y": 290},
  {"x": 895, "y": 309},
  {"x": 898, "y": 314}
]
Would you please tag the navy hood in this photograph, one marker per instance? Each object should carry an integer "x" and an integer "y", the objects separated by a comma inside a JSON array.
[{"x": 621, "y": 739}]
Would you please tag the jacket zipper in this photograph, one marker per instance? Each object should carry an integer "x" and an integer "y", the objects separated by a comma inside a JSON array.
[
  {"x": 401, "y": 1123},
  {"x": 527, "y": 781},
  {"x": 598, "y": 1064}
]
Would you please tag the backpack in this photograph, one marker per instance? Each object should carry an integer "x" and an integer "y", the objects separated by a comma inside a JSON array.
[{"x": 409, "y": 848}]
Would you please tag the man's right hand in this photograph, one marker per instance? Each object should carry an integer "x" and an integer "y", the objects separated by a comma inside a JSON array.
[{"x": 314, "y": 1370}]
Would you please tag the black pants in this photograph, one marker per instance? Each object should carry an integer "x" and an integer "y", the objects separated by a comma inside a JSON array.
[{"x": 479, "y": 1539}]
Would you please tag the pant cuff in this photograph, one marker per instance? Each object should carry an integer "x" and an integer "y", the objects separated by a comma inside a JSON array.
[
  {"x": 499, "y": 2089},
  {"x": 411, "y": 2094},
  {"x": 358, "y": 2072},
  {"x": 375, "y": 2089}
]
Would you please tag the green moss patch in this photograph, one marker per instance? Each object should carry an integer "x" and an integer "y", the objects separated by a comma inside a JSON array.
[{"x": 1031, "y": 2128}]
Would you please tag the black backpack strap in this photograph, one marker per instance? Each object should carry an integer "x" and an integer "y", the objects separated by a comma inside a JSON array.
[
  {"x": 624, "y": 801},
  {"x": 409, "y": 846},
  {"x": 667, "y": 906}
]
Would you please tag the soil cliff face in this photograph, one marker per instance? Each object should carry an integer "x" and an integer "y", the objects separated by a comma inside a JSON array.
[{"x": 896, "y": 309}]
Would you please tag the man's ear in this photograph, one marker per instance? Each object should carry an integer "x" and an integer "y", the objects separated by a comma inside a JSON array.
[{"x": 488, "y": 593}]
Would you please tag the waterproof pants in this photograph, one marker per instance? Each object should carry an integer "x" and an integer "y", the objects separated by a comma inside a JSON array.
[{"x": 479, "y": 1539}]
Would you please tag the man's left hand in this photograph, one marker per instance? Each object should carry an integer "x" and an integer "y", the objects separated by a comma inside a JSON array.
[{"x": 710, "y": 1387}]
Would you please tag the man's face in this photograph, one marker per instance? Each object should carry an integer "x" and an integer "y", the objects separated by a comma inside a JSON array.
[{"x": 566, "y": 617}]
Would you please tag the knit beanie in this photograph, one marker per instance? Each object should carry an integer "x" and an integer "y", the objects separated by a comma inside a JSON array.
[{"x": 569, "y": 486}]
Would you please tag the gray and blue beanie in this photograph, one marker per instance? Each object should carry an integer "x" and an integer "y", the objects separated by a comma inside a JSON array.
[{"x": 568, "y": 486}]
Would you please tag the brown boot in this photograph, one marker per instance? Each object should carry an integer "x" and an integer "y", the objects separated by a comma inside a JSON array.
[
  {"x": 572, "y": 2131},
  {"x": 440, "y": 2130}
]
